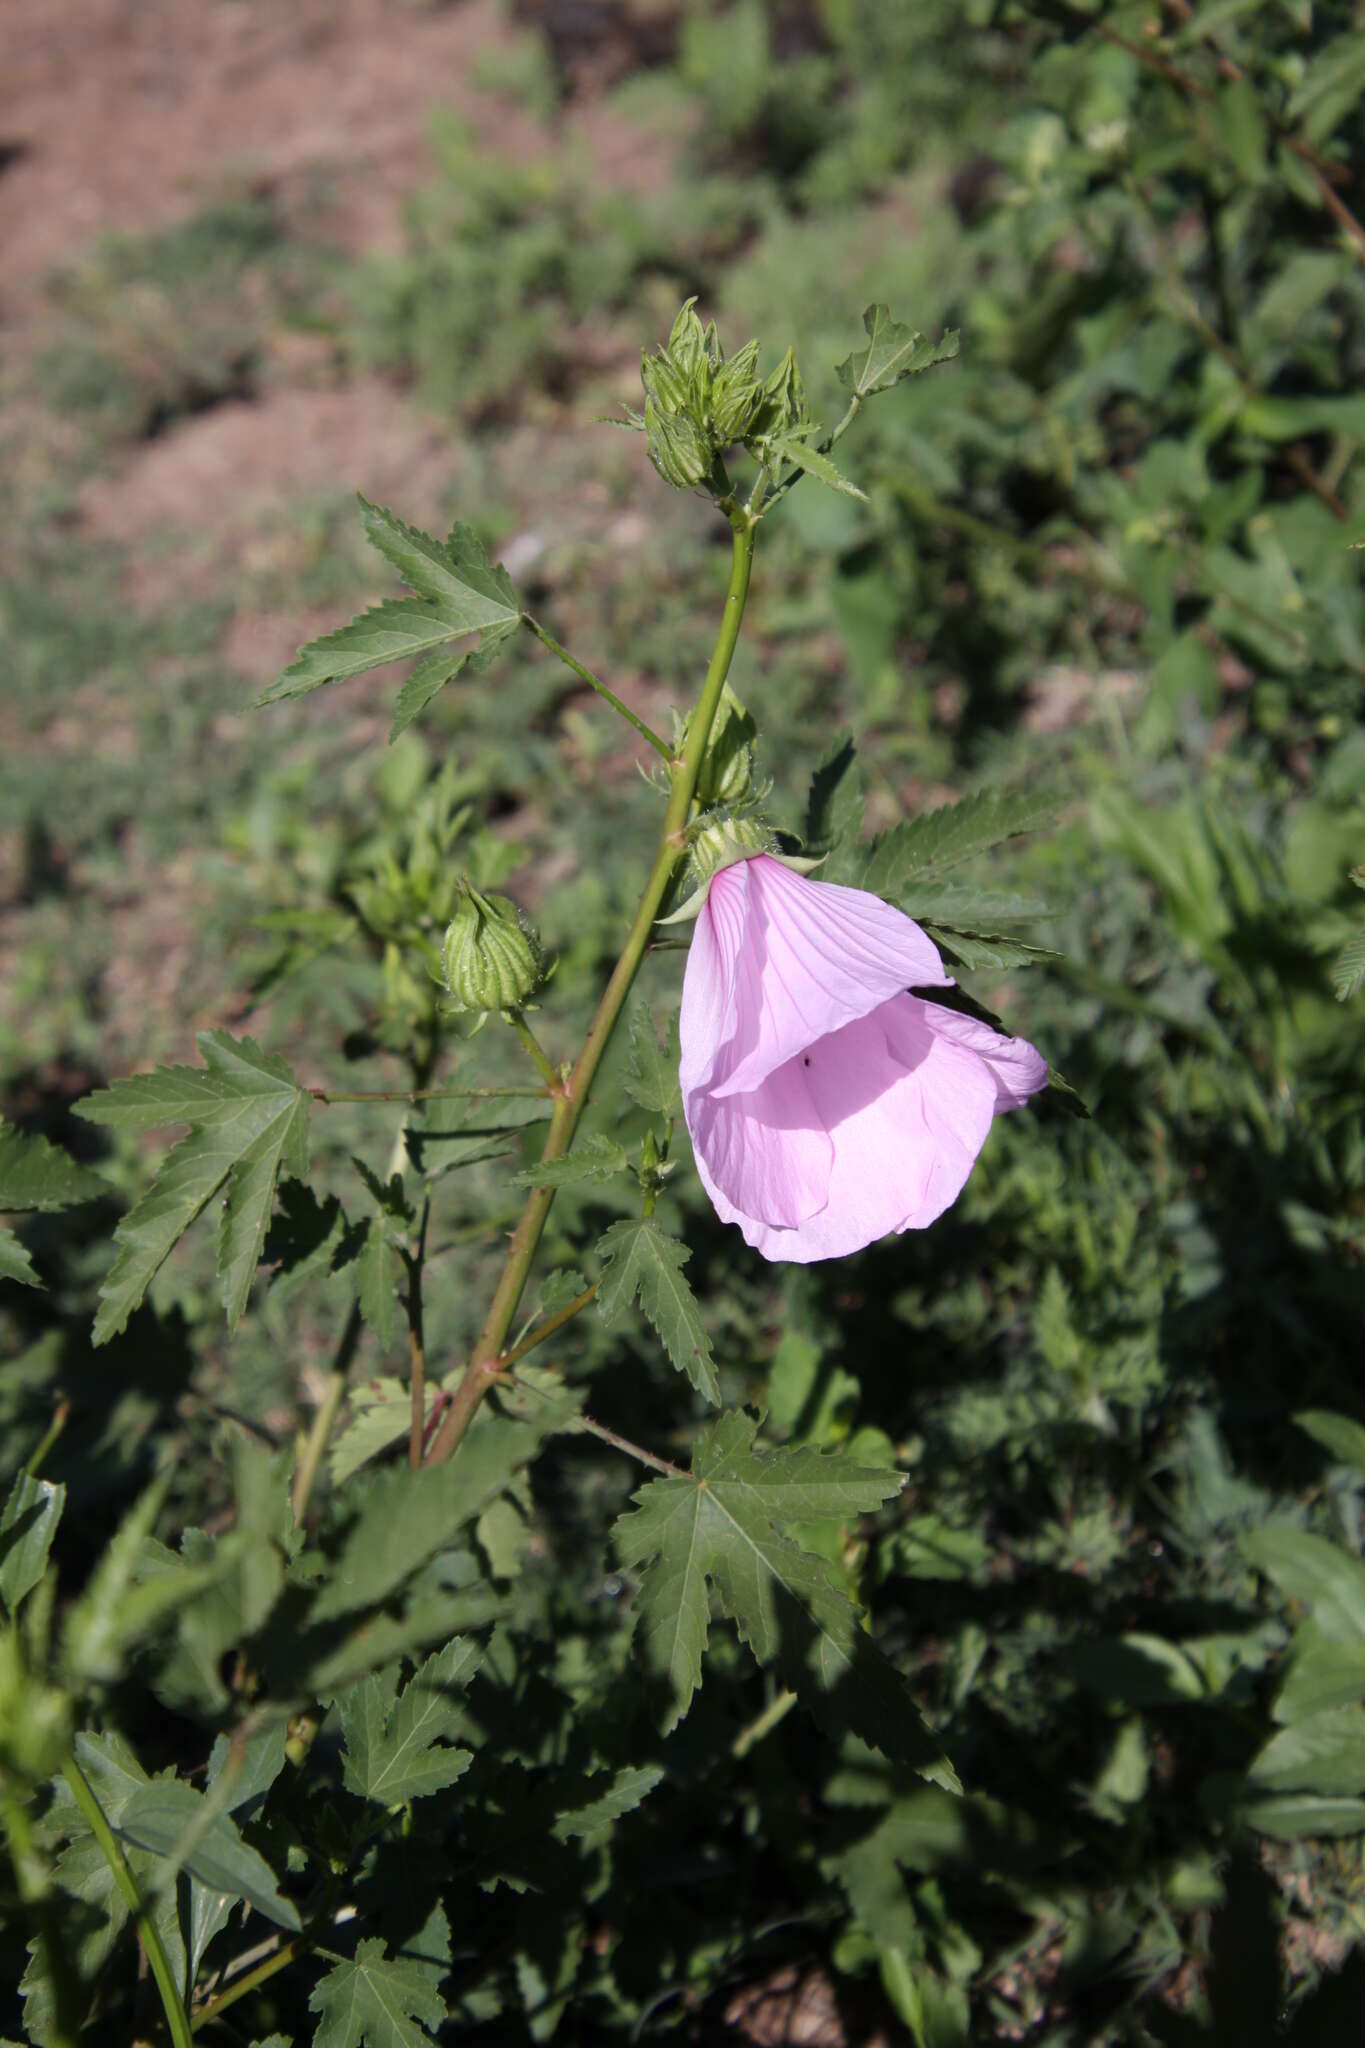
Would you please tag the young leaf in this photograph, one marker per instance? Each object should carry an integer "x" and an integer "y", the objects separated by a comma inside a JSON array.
[
  {"x": 456, "y": 574},
  {"x": 396, "y": 630},
  {"x": 401, "y": 1746},
  {"x": 834, "y": 809},
  {"x": 442, "y": 667},
  {"x": 375, "y": 1273},
  {"x": 792, "y": 449},
  {"x": 458, "y": 592},
  {"x": 1348, "y": 970},
  {"x": 28, "y": 1524},
  {"x": 375, "y": 2001},
  {"x": 381, "y": 1413},
  {"x": 918, "y": 850},
  {"x": 15, "y": 1263},
  {"x": 640, "y": 1262},
  {"x": 36, "y": 1175},
  {"x": 977, "y": 950},
  {"x": 652, "y": 1074},
  {"x": 427, "y": 679},
  {"x": 597, "y": 1158},
  {"x": 719, "y": 1528},
  {"x": 893, "y": 351},
  {"x": 1342, "y": 1435},
  {"x": 251, "y": 1121},
  {"x": 407, "y": 1517},
  {"x": 559, "y": 1288},
  {"x": 627, "y": 1789},
  {"x": 165, "y": 1813}
]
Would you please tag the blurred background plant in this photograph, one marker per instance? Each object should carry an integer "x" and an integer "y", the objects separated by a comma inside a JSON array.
[{"x": 1111, "y": 553}]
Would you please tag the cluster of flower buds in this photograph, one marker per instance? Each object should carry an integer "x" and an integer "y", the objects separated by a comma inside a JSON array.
[
  {"x": 699, "y": 402},
  {"x": 491, "y": 958}
]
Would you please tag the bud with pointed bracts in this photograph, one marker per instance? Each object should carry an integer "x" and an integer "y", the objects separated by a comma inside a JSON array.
[{"x": 491, "y": 958}]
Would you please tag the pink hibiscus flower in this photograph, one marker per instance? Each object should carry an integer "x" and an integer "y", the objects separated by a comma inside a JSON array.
[{"x": 827, "y": 1106}]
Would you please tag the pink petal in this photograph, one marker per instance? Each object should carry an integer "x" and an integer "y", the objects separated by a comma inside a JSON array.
[
  {"x": 908, "y": 1112},
  {"x": 1019, "y": 1068},
  {"x": 765, "y": 1154},
  {"x": 779, "y": 961}
]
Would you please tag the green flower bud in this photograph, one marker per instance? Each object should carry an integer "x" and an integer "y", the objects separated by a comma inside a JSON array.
[
  {"x": 491, "y": 958},
  {"x": 690, "y": 345},
  {"x": 679, "y": 450},
  {"x": 723, "y": 841},
  {"x": 783, "y": 403},
  {"x": 664, "y": 383},
  {"x": 736, "y": 395},
  {"x": 727, "y": 769}
]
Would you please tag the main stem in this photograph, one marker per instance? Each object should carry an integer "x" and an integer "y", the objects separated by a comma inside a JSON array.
[
  {"x": 484, "y": 1365},
  {"x": 171, "y": 2003}
]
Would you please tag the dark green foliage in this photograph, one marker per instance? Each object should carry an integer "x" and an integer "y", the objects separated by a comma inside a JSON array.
[{"x": 1067, "y": 1490}]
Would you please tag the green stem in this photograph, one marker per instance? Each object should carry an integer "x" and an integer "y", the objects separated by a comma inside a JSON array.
[
  {"x": 33, "y": 1881},
  {"x": 171, "y": 2002},
  {"x": 329, "y": 1095},
  {"x": 484, "y": 1366},
  {"x": 60, "y": 1415},
  {"x": 550, "y": 1325},
  {"x": 544, "y": 1066},
  {"x": 333, "y": 1394},
  {"x": 595, "y": 682},
  {"x": 773, "y": 1714},
  {"x": 584, "y": 1425},
  {"x": 251, "y": 1980}
]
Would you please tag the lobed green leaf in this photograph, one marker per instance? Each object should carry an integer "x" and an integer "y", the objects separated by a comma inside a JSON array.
[
  {"x": 893, "y": 351},
  {"x": 640, "y": 1262}
]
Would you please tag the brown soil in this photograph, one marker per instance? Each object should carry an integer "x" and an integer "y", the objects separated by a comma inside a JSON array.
[{"x": 130, "y": 113}]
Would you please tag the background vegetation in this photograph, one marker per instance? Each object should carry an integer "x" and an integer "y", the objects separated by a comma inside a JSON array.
[{"x": 1110, "y": 555}]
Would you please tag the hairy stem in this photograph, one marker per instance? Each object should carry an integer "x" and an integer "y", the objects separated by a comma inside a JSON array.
[
  {"x": 550, "y": 1325},
  {"x": 484, "y": 1365},
  {"x": 158, "y": 1961},
  {"x": 595, "y": 682},
  {"x": 539, "y": 1058}
]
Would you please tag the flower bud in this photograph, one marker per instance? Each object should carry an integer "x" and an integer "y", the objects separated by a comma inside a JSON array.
[
  {"x": 727, "y": 768},
  {"x": 491, "y": 958},
  {"x": 722, "y": 842},
  {"x": 736, "y": 395},
  {"x": 678, "y": 449},
  {"x": 664, "y": 383}
]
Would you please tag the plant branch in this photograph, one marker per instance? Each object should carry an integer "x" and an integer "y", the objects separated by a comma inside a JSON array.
[
  {"x": 285, "y": 1954},
  {"x": 329, "y": 1095},
  {"x": 550, "y": 1325},
  {"x": 484, "y": 1364},
  {"x": 153, "y": 1948},
  {"x": 541, "y": 1060},
  {"x": 585, "y": 1425},
  {"x": 321, "y": 1428},
  {"x": 646, "y": 732}
]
